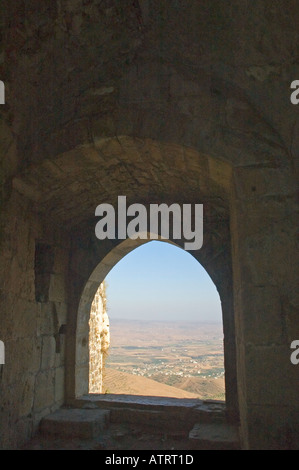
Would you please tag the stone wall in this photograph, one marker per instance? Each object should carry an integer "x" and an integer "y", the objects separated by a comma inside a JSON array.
[
  {"x": 99, "y": 340},
  {"x": 161, "y": 103},
  {"x": 33, "y": 318}
]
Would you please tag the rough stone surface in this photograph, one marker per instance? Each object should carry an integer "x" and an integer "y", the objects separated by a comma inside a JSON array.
[
  {"x": 72, "y": 423},
  {"x": 139, "y": 427},
  {"x": 99, "y": 340},
  {"x": 218, "y": 436},
  {"x": 167, "y": 414},
  {"x": 162, "y": 103}
]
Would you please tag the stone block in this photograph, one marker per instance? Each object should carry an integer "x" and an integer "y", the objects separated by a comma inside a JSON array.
[
  {"x": 21, "y": 356},
  {"x": 44, "y": 390},
  {"x": 258, "y": 182},
  {"x": 211, "y": 436},
  {"x": 60, "y": 356},
  {"x": 23, "y": 431},
  {"x": 27, "y": 395},
  {"x": 262, "y": 319},
  {"x": 75, "y": 423},
  {"x": 82, "y": 353},
  {"x": 46, "y": 321},
  {"x": 271, "y": 378},
  {"x": 273, "y": 427},
  {"x": 57, "y": 288},
  {"x": 24, "y": 318},
  {"x": 220, "y": 172},
  {"x": 59, "y": 384},
  {"x": 267, "y": 253},
  {"x": 82, "y": 380},
  {"x": 48, "y": 352},
  {"x": 60, "y": 260}
]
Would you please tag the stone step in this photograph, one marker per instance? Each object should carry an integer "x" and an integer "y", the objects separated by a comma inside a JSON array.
[
  {"x": 75, "y": 423},
  {"x": 169, "y": 421},
  {"x": 165, "y": 414},
  {"x": 214, "y": 436}
]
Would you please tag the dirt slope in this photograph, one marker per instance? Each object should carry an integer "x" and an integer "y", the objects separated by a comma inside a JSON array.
[{"x": 121, "y": 382}]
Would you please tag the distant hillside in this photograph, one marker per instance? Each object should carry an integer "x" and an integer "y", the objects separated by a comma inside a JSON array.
[
  {"x": 191, "y": 387},
  {"x": 204, "y": 388},
  {"x": 121, "y": 382}
]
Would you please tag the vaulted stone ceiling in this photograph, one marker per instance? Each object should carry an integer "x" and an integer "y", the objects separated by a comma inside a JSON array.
[
  {"x": 156, "y": 100},
  {"x": 70, "y": 62},
  {"x": 68, "y": 188}
]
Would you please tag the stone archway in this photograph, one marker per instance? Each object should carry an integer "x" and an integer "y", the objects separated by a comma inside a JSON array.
[
  {"x": 217, "y": 265},
  {"x": 180, "y": 103},
  {"x": 82, "y": 333},
  {"x": 246, "y": 219},
  {"x": 87, "y": 298},
  {"x": 146, "y": 171}
]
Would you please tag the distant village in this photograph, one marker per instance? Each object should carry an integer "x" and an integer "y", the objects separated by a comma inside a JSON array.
[{"x": 177, "y": 364}]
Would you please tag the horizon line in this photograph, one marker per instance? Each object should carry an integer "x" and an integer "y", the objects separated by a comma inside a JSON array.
[{"x": 165, "y": 321}]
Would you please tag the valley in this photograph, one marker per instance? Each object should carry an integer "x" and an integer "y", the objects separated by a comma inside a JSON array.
[{"x": 183, "y": 356}]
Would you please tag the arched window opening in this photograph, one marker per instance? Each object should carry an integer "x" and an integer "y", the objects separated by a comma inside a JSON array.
[{"x": 164, "y": 335}]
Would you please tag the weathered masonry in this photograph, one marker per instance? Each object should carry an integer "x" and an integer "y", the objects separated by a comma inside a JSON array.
[
  {"x": 99, "y": 340},
  {"x": 161, "y": 102}
]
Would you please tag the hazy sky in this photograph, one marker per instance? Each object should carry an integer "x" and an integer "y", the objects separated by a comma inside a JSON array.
[{"x": 159, "y": 281}]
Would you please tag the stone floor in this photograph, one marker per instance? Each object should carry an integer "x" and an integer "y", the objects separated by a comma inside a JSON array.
[
  {"x": 116, "y": 437},
  {"x": 136, "y": 423}
]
